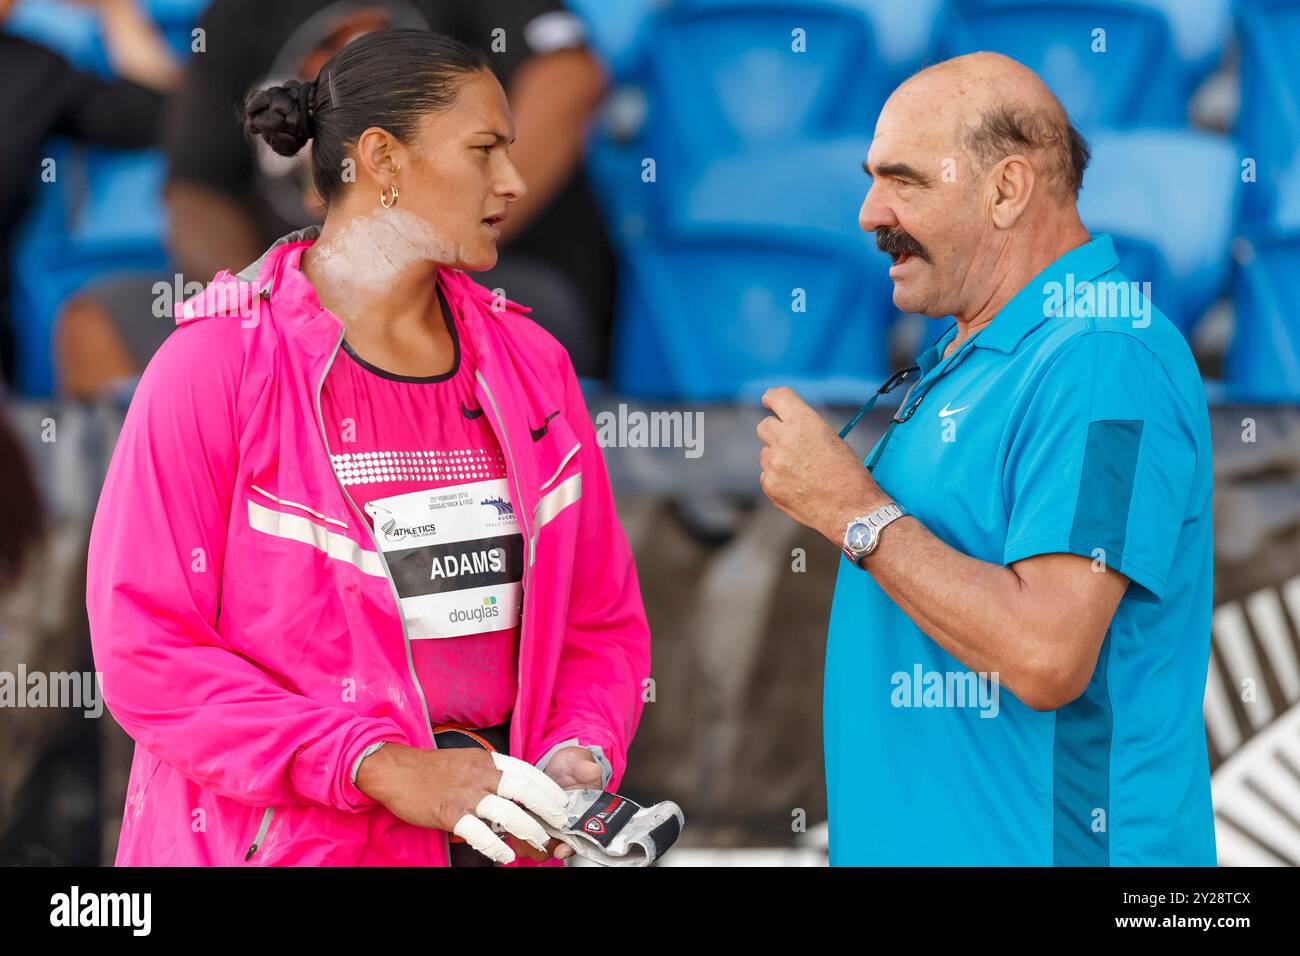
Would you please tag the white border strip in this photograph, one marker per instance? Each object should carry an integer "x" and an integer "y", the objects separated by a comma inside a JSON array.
[
  {"x": 572, "y": 451},
  {"x": 294, "y": 504},
  {"x": 298, "y": 528},
  {"x": 555, "y": 501}
]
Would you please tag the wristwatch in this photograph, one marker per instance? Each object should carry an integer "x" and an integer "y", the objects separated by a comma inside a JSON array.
[{"x": 862, "y": 535}]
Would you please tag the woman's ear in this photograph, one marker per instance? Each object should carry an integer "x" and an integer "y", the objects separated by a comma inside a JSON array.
[{"x": 376, "y": 156}]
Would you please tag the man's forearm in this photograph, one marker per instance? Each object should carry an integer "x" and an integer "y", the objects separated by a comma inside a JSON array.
[
  {"x": 553, "y": 98},
  {"x": 978, "y": 612}
]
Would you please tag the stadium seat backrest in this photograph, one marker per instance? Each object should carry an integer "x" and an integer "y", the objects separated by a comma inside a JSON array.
[
  {"x": 614, "y": 29},
  {"x": 1263, "y": 362},
  {"x": 1112, "y": 62},
  {"x": 723, "y": 312},
  {"x": 727, "y": 75},
  {"x": 1176, "y": 192},
  {"x": 1268, "y": 123}
]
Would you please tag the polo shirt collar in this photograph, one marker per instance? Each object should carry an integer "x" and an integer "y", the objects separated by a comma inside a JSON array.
[{"x": 1025, "y": 312}]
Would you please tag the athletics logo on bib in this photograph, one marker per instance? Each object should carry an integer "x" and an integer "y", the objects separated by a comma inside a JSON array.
[{"x": 457, "y": 556}]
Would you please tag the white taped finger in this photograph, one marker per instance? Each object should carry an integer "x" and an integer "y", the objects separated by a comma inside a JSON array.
[
  {"x": 536, "y": 791},
  {"x": 480, "y": 836},
  {"x": 502, "y": 811}
]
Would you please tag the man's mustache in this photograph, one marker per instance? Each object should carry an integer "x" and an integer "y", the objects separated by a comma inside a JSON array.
[{"x": 898, "y": 242}]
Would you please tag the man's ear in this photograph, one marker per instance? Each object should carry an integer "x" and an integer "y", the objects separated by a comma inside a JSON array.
[
  {"x": 375, "y": 149},
  {"x": 1011, "y": 184}
]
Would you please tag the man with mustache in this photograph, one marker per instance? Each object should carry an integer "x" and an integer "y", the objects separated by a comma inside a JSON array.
[{"x": 1035, "y": 520}]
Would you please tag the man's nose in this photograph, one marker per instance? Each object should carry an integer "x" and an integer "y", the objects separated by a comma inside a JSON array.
[{"x": 875, "y": 215}]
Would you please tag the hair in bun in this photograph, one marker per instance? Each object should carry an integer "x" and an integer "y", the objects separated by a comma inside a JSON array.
[
  {"x": 388, "y": 78},
  {"x": 282, "y": 115}
]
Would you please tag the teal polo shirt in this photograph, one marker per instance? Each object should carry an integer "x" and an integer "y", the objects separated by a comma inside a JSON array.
[{"x": 1075, "y": 421}]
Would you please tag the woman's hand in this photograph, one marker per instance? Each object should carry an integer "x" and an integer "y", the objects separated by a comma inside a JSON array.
[
  {"x": 463, "y": 791},
  {"x": 575, "y": 768},
  {"x": 572, "y": 768}
]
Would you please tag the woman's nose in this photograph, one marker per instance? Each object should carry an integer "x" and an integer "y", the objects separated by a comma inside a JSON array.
[{"x": 512, "y": 185}]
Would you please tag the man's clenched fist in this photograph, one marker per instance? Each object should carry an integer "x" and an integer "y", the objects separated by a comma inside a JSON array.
[{"x": 808, "y": 471}]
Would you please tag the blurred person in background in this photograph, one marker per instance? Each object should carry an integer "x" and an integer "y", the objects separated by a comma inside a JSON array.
[
  {"x": 228, "y": 197},
  {"x": 1036, "y": 518},
  {"x": 22, "y": 520},
  {"x": 42, "y": 95},
  {"x": 357, "y": 366}
]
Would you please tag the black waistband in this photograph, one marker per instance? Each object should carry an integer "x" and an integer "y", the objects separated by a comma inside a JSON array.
[{"x": 497, "y": 738}]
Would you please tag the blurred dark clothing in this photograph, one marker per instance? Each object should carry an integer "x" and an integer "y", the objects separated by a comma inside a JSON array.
[
  {"x": 251, "y": 43},
  {"x": 43, "y": 95}
]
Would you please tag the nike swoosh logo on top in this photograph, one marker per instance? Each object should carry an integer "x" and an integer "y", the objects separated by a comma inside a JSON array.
[
  {"x": 470, "y": 413},
  {"x": 540, "y": 433},
  {"x": 946, "y": 411}
]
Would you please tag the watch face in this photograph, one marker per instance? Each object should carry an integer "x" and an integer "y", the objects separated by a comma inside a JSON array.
[{"x": 858, "y": 535}]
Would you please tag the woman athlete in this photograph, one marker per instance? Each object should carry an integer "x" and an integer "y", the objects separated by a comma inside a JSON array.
[{"x": 357, "y": 588}]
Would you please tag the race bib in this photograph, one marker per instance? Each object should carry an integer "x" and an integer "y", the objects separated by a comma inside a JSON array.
[{"x": 457, "y": 556}]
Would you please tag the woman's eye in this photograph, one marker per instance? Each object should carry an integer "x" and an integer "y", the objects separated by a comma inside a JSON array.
[{"x": 486, "y": 149}]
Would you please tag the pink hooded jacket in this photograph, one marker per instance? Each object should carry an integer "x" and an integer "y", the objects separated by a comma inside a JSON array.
[{"x": 244, "y": 621}]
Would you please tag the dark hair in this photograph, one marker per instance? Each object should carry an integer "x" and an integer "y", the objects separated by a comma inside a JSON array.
[
  {"x": 1009, "y": 129},
  {"x": 388, "y": 78},
  {"x": 22, "y": 519}
]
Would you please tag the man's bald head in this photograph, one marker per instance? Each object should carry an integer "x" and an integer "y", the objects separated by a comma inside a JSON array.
[
  {"x": 1000, "y": 108},
  {"x": 975, "y": 170}
]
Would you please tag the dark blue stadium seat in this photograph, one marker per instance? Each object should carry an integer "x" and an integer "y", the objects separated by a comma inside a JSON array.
[
  {"x": 1263, "y": 362},
  {"x": 710, "y": 314},
  {"x": 1156, "y": 51},
  {"x": 102, "y": 214},
  {"x": 1268, "y": 124},
  {"x": 1169, "y": 198}
]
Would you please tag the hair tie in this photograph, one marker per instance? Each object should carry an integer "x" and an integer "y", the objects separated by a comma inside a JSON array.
[{"x": 305, "y": 94}]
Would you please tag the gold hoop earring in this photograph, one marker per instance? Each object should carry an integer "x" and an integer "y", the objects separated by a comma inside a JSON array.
[{"x": 391, "y": 202}]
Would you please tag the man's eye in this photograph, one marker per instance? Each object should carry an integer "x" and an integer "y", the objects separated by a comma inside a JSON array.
[{"x": 486, "y": 149}]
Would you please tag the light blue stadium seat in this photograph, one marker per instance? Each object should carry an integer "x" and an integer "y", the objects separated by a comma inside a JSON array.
[
  {"x": 1263, "y": 362},
  {"x": 1268, "y": 123},
  {"x": 1169, "y": 198},
  {"x": 711, "y": 314},
  {"x": 66, "y": 28},
  {"x": 615, "y": 29},
  {"x": 1156, "y": 51},
  {"x": 723, "y": 76},
  {"x": 73, "y": 30}
]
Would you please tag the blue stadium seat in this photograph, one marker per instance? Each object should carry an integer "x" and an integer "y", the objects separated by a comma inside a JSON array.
[
  {"x": 905, "y": 33},
  {"x": 103, "y": 214},
  {"x": 723, "y": 76},
  {"x": 1169, "y": 198},
  {"x": 716, "y": 313},
  {"x": 1263, "y": 362},
  {"x": 615, "y": 30},
  {"x": 124, "y": 204},
  {"x": 1156, "y": 51},
  {"x": 73, "y": 30},
  {"x": 1268, "y": 124},
  {"x": 68, "y": 29}
]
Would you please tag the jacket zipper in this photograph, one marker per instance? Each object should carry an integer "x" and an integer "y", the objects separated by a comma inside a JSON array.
[
  {"x": 529, "y": 544},
  {"x": 406, "y": 638},
  {"x": 261, "y": 833}
]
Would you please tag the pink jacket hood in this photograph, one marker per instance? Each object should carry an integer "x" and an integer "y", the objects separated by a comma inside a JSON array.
[{"x": 244, "y": 622}]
